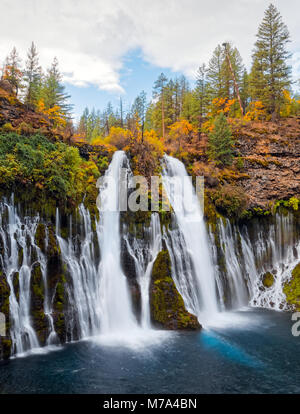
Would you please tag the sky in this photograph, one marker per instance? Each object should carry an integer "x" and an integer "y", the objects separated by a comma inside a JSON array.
[{"x": 109, "y": 49}]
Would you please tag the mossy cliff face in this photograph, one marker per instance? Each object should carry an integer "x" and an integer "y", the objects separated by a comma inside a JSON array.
[
  {"x": 39, "y": 319},
  {"x": 292, "y": 289},
  {"x": 56, "y": 270},
  {"x": 268, "y": 279},
  {"x": 5, "y": 341},
  {"x": 166, "y": 304}
]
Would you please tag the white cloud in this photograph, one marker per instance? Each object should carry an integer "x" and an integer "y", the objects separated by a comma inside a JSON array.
[{"x": 90, "y": 38}]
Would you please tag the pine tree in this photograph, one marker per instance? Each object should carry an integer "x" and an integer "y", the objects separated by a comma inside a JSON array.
[
  {"x": 159, "y": 92},
  {"x": 220, "y": 142},
  {"x": 201, "y": 98},
  {"x": 12, "y": 71},
  {"x": 270, "y": 73},
  {"x": 244, "y": 90},
  {"x": 139, "y": 109},
  {"x": 53, "y": 92},
  {"x": 32, "y": 77},
  {"x": 215, "y": 75},
  {"x": 82, "y": 127}
]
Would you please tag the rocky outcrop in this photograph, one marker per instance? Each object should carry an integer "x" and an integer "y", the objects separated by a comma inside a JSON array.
[
  {"x": 166, "y": 304},
  {"x": 270, "y": 153},
  {"x": 17, "y": 117}
]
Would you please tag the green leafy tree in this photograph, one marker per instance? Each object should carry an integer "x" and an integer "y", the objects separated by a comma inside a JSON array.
[
  {"x": 220, "y": 142},
  {"x": 270, "y": 73}
]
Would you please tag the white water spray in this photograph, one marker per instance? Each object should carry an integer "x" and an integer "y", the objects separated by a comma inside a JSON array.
[{"x": 192, "y": 266}]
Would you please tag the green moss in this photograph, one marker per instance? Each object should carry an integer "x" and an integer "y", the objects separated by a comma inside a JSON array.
[
  {"x": 4, "y": 296},
  {"x": 166, "y": 303},
  {"x": 16, "y": 285},
  {"x": 20, "y": 256},
  {"x": 40, "y": 236},
  {"x": 268, "y": 279},
  {"x": 229, "y": 200},
  {"x": 291, "y": 289},
  {"x": 53, "y": 248},
  {"x": 37, "y": 284},
  {"x": 5, "y": 347}
]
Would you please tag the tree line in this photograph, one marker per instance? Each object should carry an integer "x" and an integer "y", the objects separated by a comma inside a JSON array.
[
  {"x": 221, "y": 85},
  {"x": 39, "y": 90}
]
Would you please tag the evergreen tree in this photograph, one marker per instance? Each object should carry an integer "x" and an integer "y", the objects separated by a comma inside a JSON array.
[
  {"x": 270, "y": 73},
  {"x": 53, "y": 92},
  {"x": 244, "y": 90},
  {"x": 32, "y": 77},
  {"x": 12, "y": 71},
  {"x": 220, "y": 142},
  {"x": 215, "y": 75},
  {"x": 159, "y": 92},
  {"x": 139, "y": 109},
  {"x": 82, "y": 127},
  {"x": 228, "y": 88}
]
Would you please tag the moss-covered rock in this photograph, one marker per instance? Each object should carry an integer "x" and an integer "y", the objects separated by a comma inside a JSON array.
[
  {"x": 4, "y": 295},
  {"x": 291, "y": 289},
  {"x": 39, "y": 319},
  {"x": 40, "y": 237},
  {"x": 16, "y": 284},
  {"x": 268, "y": 279},
  {"x": 53, "y": 249},
  {"x": 5, "y": 347},
  {"x": 166, "y": 304},
  {"x": 5, "y": 341},
  {"x": 60, "y": 304}
]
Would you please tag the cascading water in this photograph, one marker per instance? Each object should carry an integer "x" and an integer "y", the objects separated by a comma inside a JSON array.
[
  {"x": 20, "y": 255},
  {"x": 83, "y": 268},
  {"x": 248, "y": 255},
  {"x": 189, "y": 245},
  {"x": 228, "y": 265},
  {"x": 115, "y": 302},
  {"x": 144, "y": 255}
]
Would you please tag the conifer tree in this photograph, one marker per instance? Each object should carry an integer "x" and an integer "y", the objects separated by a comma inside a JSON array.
[
  {"x": 159, "y": 92},
  {"x": 53, "y": 92},
  {"x": 270, "y": 73},
  {"x": 220, "y": 142},
  {"x": 12, "y": 71},
  {"x": 32, "y": 77},
  {"x": 139, "y": 108}
]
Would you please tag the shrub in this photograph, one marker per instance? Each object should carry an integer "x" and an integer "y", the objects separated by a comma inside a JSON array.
[{"x": 230, "y": 200}]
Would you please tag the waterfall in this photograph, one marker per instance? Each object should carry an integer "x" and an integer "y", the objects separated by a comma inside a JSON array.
[
  {"x": 189, "y": 245},
  {"x": 19, "y": 254},
  {"x": 144, "y": 254},
  {"x": 78, "y": 253},
  {"x": 115, "y": 302},
  {"x": 222, "y": 268},
  {"x": 248, "y": 253}
]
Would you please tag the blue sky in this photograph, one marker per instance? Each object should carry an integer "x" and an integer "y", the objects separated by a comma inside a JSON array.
[
  {"x": 112, "y": 48},
  {"x": 136, "y": 75}
]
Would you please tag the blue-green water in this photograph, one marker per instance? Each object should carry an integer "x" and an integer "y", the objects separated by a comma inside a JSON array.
[{"x": 251, "y": 352}]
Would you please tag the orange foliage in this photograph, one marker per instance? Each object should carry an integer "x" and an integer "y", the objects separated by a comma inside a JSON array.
[
  {"x": 219, "y": 105},
  {"x": 55, "y": 113},
  {"x": 256, "y": 112},
  {"x": 179, "y": 132}
]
